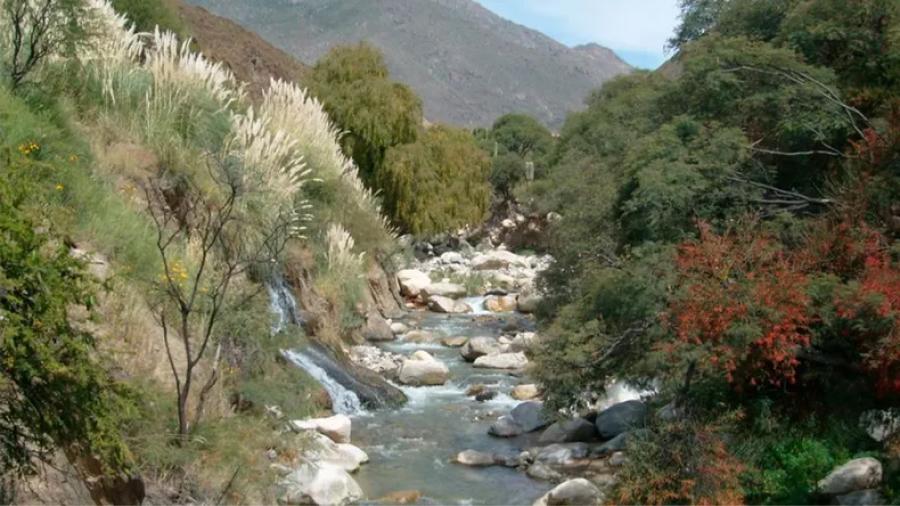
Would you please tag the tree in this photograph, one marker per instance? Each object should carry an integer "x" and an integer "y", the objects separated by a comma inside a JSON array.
[
  {"x": 35, "y": 30},
  {"x": 523, "y": 135},
  {"x": 436, "y": 183},
  {"x": 697, "y": 17},
  {"x": 354, "y": 86},
  {"x": 210, "y": 232}
]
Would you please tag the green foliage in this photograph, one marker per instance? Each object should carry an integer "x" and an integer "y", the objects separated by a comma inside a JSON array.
[
  {"x": 147, "y": 15},
  {"x": 697, "y": 17},
  {"x": 376, "y": 113},
  {"x": 437, "y": 183},
  {"x": 54, "y": 390},
  {"x": 523, "y": 135}
]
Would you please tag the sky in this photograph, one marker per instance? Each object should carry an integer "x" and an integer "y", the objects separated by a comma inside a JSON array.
[{"x": 636, "y": 30}]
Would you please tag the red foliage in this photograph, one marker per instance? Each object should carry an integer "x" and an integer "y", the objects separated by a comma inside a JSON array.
[{"x": 743, "y": 305}]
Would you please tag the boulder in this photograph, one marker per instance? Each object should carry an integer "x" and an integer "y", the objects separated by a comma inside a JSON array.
[
  {"x": 451, "y": 290},
  {"x": 441, "y": 304},
  {"x": 569, "y": 431},
  {"x": 474, "y": 458},
  {"x": 423, "y": 372},
  {"x": 869, "y": 497},
  {"x": 478, "y": 347},
  {"x": 529, "y": 415},
  {"x": 412, "y": 281},
  {"x": 620, "y": 418},
  {"x": 562, "y": 454},
  {"x": 542, "y": 472},
  {"x": 576, "y": 492},
  {"x": 420, "y": 355},
  {"x": 855, "y": 475},
  {"x": 525, "y": 392},
  {"x": 500, "y": 303},
  {"x": 323, "y": 451},
  {"x": 502, "y": 361},
  {"x": 528, "y": 302},
  {"x": 616, "y": 444},
  {"x": 377, "y": 328},
  {"x": 505, "y": 426},
  {"x": 418, "y": 336},
  {"x": 504, "y": 281},
  {"x": 319, "y": 484},
  {"x": 455, "y": 341},
  {"x": 336, "y": 427},
  {"x": 399, "y": 328}
]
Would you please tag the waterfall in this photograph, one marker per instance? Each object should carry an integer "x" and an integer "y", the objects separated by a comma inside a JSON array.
[{"x": 283, "y": 304}]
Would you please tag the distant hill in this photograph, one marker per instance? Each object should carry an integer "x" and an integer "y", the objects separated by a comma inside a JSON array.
[{"x": 468, "y": 64}]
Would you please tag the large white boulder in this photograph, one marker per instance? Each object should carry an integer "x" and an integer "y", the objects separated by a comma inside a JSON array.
[
  {"x": 474, "y": 458},
  {"x": 478, "y": 347},
  {"x": 857, "y": 474},
  {"x": 441, "y": 304},
  {"x": 412, "y": 281},
  {"x": 576, "y": 492},
  {"x": 337, "y": 427},
  {"x": 444, "y": 289},
  {"x": 423, "y": 372},
  {"x": 322, "y": 450},
  {"x": 313, "y": 483},
  {"x": 516, "y": 360}
]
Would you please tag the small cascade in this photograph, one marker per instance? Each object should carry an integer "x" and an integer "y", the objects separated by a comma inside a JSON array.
[
  {"x": 477, "y": 305},
  {"x": 343, "y": 401},
  {"x": 284, "y": 305}
]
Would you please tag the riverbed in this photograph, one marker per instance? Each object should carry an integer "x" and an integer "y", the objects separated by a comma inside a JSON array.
[{"x": 411, "y": 447}]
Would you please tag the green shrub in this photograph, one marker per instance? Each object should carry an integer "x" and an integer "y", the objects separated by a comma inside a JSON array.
[{"x": 148, "y": 14}]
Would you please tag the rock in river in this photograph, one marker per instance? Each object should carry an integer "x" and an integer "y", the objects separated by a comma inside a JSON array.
[
  {"x": 474, "y": 458},
  {"x": 569, "y": 431},
  {"x": 478, "y": 347},
  {"x": 336, "y": 427},
  {"x": 412, "y": 281},
  {"x": 500, "y": 303},
  {"x": 455, "y": 341},
  {"x": 577, "y": 492},
  {"x": 423, "y": 372},
  {"x": 502, "y": 361},
  {"x": 620, "y": 418},
  {"x": 524, "y": 418},
  {"x": 377, "y": 328},
  {"x": 441, "y": 304},
  {"x": 525, "y": 392}
]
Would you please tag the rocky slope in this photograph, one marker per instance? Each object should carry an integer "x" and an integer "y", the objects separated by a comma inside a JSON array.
[{"x": 468, "y": 64}]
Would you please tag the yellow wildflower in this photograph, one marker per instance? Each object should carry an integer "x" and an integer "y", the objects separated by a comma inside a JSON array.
[{"x": 60, "y": 187}]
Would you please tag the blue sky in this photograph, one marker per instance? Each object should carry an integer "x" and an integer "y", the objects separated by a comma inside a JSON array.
[{"x": 636, "y": 30}]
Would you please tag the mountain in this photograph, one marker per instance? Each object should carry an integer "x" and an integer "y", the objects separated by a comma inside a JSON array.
[{"x": 468, "y": 64}]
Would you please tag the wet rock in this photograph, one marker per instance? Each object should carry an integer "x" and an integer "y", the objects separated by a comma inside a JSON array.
[
  {"x": 450, "y": 290},
  {"x": 525, "y": 392},
  {"x": 474, "y": 458},
  {"x": 500, "y": 303},
  {"x": 486, "y": 396},
  {"x": 542, "y": 472},
  {"x": 476, "y": 389},
  {"x": 502, "y": 361},
  {"x": 478, "y": 347},
  {"x": 337, "y": 427},
  {"x": 576, "y": 492},
  {"x": 870, "y": 497},
  {"x": 569, "y": 431},
  {"x": 418, "y": 336},
  {"x": 377, "y": 328},
  {"x": 855, "y": 475},
  {"x": 505, "y": 426},
  {"x": 441, "y": 304},
  {"x": 454, "y": 342},
  {"x": 420, "y": 355},
  {"x": 525, "y": 417},
  {"x": 318, "y": 484},
  {"x": 423, "y": 372},
  {"x": 412, "y": 281},
  {"x": 620, "y": 418},
  {"x": 401, "y": 497}
]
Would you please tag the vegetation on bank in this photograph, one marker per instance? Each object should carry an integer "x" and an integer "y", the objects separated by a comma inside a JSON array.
[{"x": 729, "y": 239}]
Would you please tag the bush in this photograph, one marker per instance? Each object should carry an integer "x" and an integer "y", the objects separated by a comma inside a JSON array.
[{"x": 149, "y": 14}]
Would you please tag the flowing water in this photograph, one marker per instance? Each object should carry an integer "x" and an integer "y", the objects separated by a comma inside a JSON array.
[{"x": 411, "y": 447}]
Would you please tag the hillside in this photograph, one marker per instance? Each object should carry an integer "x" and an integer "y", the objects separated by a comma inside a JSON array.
[
  {"x": 253, "y": 60},
  {"x": 469, "y": 65}
]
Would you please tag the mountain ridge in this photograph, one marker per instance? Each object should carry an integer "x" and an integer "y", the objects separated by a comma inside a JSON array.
[{"x": 468, "y": 64}]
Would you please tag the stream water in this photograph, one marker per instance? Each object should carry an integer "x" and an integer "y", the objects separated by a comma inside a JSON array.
[{"x": 411, "y": 447}]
